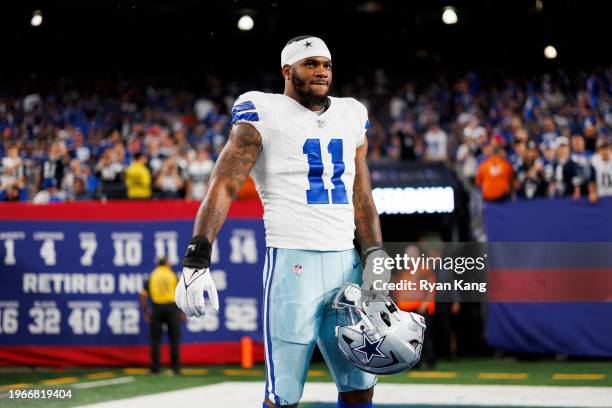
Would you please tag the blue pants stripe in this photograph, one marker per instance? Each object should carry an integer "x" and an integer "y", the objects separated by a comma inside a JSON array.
[
  {"x": 270, "y": 383},
  {"x": 265, "y": 321}
]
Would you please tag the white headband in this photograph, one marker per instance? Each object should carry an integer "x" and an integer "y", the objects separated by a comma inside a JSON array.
[{"x": 308, "y": 47}]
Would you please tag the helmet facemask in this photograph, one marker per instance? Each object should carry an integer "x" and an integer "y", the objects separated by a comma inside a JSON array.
[{"x": 373, "y": 334}]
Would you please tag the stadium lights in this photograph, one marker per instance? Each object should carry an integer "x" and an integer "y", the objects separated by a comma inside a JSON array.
[
  {"x": 539, "y": 5},
  {"x": 409, "y": 200},
  {"x": 550, "y": 52},
  {"x": 245, "y": 23},
  {"x": 449, "y": 15},
  {"x": 37, "y": 18}
]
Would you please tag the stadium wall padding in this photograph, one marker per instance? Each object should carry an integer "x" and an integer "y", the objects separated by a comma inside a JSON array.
[
  {"x": 552, "y": 326},
  {"x": 72, "y": 273}
]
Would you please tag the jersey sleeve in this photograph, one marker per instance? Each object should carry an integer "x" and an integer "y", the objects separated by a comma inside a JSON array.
[
  {"x": 252, "y": 108},
  {"x": 364, "y": 121}
]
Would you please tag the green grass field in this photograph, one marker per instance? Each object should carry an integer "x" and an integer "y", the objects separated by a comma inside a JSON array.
[{"x": 101, "y": 384}]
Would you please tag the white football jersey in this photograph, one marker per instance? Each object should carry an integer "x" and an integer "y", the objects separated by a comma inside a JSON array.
[
  {"x": 602, "y": 176},
  {"x": 199, "y": 172},
  {"x": 305, "y": 171}
]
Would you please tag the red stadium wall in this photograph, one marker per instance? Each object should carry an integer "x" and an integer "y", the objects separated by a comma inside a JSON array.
[{"x": 126, "y": 210}]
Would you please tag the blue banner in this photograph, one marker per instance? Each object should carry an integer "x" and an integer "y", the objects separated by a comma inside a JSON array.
[
  {"x": 579, "y": 328},
  {"x": 78, "y": 283}
]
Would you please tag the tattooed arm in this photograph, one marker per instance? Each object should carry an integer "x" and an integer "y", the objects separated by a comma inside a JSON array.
[
  {"x": 231, "y": 171},
  {"x": 368, "y": 227},
  {"x": 367, "y": 223}
]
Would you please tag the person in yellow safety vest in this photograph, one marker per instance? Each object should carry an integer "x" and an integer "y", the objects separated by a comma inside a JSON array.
[
  {"x": 160, "y": 288},
  {"x": 138, "y": 178}
]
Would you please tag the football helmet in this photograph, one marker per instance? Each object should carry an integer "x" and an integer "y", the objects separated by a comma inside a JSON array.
[{"x": 374, "y": 334}]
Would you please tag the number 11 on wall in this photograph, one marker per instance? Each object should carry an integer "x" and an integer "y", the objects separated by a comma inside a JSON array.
[{"x": 318, "y": 194}]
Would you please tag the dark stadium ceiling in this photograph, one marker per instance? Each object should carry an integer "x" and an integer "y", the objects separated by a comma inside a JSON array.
[{"x": 154, "y": 35}]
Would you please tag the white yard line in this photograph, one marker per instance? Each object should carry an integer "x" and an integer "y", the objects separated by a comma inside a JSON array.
[
  {"x": 249, "y": 394},
  {"x": 102, "y": 383}
]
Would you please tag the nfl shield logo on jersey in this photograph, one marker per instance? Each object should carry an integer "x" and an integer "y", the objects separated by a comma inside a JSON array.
[{"x": 297, "y": 269}]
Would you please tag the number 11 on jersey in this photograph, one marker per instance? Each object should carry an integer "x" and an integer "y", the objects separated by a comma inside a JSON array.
[{"x": 318, "y": 194}]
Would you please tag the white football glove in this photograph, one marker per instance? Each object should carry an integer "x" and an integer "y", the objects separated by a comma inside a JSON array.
[
  {"x": 379, "y": 272},
  {"x": 189, "y": 293}
]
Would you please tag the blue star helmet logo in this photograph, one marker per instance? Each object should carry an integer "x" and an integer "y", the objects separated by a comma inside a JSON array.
[
  {"x": 370, "y": 349},
  {"x": 307, "y": 44}
]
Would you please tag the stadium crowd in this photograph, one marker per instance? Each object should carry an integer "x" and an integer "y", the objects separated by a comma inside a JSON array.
[{"x": 513, "y": 138}]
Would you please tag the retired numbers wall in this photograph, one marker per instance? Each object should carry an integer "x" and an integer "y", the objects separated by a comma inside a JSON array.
[{"x": 69, "y": 283}]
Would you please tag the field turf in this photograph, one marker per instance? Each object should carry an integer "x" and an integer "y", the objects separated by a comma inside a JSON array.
[{"x": 105, "y": 384}]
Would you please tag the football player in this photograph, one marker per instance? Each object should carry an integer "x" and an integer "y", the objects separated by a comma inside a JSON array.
[
  {"x": 600, "y": 184},
  {"x": 306, "y": 152}
]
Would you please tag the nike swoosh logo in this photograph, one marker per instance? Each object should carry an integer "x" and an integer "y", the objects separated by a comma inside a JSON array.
[
  {"x": 196, "y": 274},
  {"x": 356, "y": 264}
]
